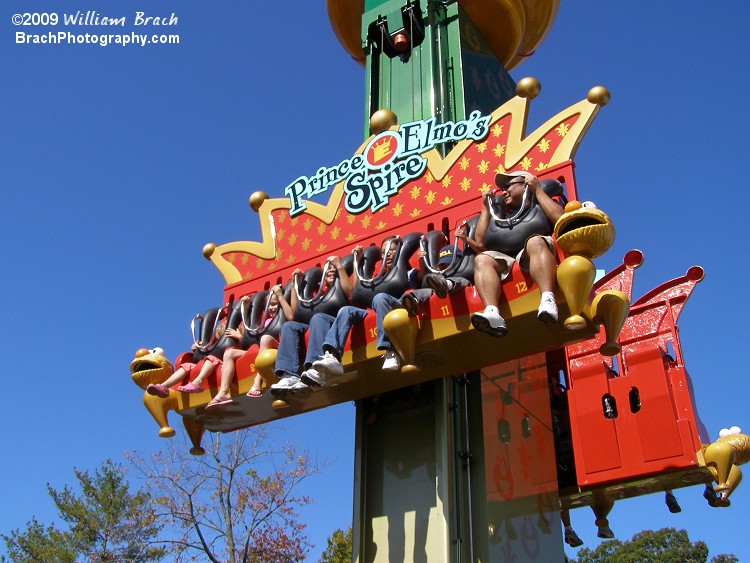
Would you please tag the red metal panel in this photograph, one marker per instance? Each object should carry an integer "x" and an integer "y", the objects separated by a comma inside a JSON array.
[
  {"x": 657, "y": 434},
  {"x": 657, "y": 427},
  {"x": 594, "y": 436}
]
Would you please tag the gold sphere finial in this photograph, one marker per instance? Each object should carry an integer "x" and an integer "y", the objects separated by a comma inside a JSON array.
[
  {"x": 257, "y": 199},
  {"x": 598, "y": 95},
  {"x": 381, "y": 120},
  {"x": 528, "y": 87},
  {"x": 208, "y": 250}
]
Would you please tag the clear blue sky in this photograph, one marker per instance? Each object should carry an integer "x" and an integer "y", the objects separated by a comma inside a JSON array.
[{"x": 117, "y": 164}]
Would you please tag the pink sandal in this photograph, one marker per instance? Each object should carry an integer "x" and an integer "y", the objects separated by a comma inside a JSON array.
[
  {"x": 157, "y": 390},
  {"x": 215, "y": 403},
  {"x": 189, "y": 388},
  {"x": 255, "y": 393}
]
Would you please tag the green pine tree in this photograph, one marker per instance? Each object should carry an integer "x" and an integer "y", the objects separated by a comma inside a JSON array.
[
  {"x": 339, "y": 549},
  {"x": 106, "y": 522}
]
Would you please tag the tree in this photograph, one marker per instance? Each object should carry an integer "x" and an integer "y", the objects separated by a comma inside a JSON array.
[
  {"x": 106, "y": 523},
  {"x": 38, "y": 544},
  {"x": 339, "y": 549},
  {"x": 665, "y": 546},
  {"x": 236, "y": 503}
]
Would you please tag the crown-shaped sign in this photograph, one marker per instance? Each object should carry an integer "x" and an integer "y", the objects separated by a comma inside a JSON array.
[{"x": 443, "y": 191}]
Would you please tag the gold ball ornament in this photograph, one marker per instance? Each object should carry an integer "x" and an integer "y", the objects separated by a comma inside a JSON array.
[
  {"x": 598, "y": 95},
  {"x": 257, "y": 199},
  {"x": 382, "y": 120},
  {"x": 528, "y": 88},
  {"x": 208, "y": 250}
]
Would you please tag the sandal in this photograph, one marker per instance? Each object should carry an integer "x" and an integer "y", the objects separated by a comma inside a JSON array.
[
  {"x": 157, "y": 390},
  {"x": 214, "y": 403},
  {"x": 189, "y": 388},
  {"x": 254, "y": 393}
]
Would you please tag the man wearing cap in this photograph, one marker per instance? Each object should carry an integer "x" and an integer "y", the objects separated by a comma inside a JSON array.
[
  {"x": 437, "y": 283},
  {"x": 514, "y": 227}
]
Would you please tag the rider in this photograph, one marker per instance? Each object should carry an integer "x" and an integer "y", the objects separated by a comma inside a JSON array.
[
  {"x": 276, "y": 301},
  {"x": 292, "y": 337},
  {"x": 434, "y": 283},
  {"x": 212, "y": 361},
  {"x": 521, "y": 232},
  {"x": 382, "y": 303}
]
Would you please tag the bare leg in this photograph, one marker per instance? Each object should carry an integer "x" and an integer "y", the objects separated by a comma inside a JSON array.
[
  {"x": 227, "y": 373},
  {"x": 542, "y": 264},
  {"x": 176, "y": 377},
  {"x": 267, "y": 342},
  {"x": 487, "y": 272},
  {"x": 206, "y": 369},
  {"x": 257, "y": 386}
]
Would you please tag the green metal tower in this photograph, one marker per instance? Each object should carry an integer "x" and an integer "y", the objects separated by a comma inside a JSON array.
[{"x": 427, "y": 59}]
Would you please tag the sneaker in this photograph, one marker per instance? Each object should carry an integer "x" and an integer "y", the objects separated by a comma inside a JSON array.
[
  {"x": 284, "y": 385},
  {"x": 313, "y": 378},
  {"x": 299, "y": 387},
  {"x": 489, "y": 322},
  {"x": 547, "y": 312},
  {"x": 391, "y": 361},
  {"x": 285, "y": 382},
  {"x": 157, "y": 390},
  {"x": 605, "y": 532},
  {"x": 329, "y": 364},
  {"x": 411, "y": 304},
  {"x": 672, "y": 504},
  {"x": 572, "y": 539},
  {"x": 438, "y": 284}
]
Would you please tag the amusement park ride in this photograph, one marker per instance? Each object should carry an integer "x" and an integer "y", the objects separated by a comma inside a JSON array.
[{"x": 502, "y": 433}]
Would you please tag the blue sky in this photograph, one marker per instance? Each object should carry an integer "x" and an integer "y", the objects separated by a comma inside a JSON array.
[{"x": 117, "y": 164}]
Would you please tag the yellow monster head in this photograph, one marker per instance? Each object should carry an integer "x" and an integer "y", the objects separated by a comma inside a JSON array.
[
  {"x": 584, "y": 230},
  {"x": 150, "y": 366}
]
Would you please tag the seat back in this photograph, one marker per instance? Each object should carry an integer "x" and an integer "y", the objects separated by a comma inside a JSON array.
[
  {"x": 313, "y": 302},
  {"x": 395, "y": 281}
]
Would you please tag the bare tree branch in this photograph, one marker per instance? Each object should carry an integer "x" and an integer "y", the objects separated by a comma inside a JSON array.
[{"x": 238, "y": 502}]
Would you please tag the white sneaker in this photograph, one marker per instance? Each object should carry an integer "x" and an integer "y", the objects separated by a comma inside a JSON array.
[
  {"x": 391, "y": 361},
  {"x": 291, "y": 384},
  {"x": 313, "y": 378},
  {"x": 329, "y": 364},
  {"x": 547, "y": 312},
  {"x": 285, "y": 382},
  {"x": 489, "y": 322},
  {"x": 298, "y": 387}
]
